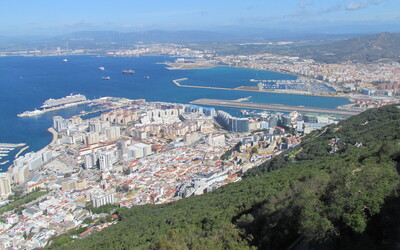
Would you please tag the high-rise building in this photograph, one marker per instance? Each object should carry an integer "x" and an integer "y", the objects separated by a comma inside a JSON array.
[
  {"x": 5, "y": 184},
  {"x": 20, "y": 174},
  {"x": 106, "y": 159},
  {"x": 91, "y": 138},
  {"x": 101, "y": 198},
  {"x": 113, "y": 133},
  {"x": 95, "y": 126},
  {"x": 60, "y": 124},
  {"x": 90, "y": 161},
  {"x": 231, "y": 123},
  {"x": 32, "y": 160}
]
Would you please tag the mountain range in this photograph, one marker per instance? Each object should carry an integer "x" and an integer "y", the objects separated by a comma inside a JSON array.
[
  {"x": 322, "y": 48},
  {"x": 371, "y": 48}
]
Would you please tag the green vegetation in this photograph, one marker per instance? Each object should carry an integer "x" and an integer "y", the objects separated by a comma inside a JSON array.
[
  {"x": 103, "y": 209},
  {"x": 229, "y": 152},
  {"x": 59, "y": 241},
  {"x": 345, "y": 198},
  {"x": 22, "y": 200}
]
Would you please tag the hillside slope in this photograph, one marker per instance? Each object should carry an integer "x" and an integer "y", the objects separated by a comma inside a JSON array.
[
  {"x": 370, "y": 48},
  {"x": 333, "y": 186}
]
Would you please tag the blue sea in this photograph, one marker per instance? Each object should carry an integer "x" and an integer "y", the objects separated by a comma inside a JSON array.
[{"x": 26, "y": 82}]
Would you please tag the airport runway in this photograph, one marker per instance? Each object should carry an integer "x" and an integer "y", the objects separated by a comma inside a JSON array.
[{"x": 271, "y": 107}]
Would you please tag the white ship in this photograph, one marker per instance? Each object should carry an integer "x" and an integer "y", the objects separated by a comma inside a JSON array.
[
  {"x": 101, "y": 68},
  {"x": 55, "y": 104},
  {"x": 31, "y": 113}
]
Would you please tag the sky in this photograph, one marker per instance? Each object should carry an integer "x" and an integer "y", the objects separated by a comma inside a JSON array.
[{"x": 54, "y": 17}]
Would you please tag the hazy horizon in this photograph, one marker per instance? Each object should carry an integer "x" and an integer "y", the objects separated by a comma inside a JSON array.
[{"x": 51, "y": 18}]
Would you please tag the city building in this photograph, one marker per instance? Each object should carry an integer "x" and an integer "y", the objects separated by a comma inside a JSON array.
[
  {"x": 100, "y": 198},
  {"x": 5, "y": 184}
]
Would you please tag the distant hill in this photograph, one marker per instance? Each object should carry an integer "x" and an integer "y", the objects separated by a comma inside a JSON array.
[
  {"x": 146, "y": 36},
  {"x": 114, "y": 39},
  {"x": 371, "y": 48},
  {"x": 339, "y": 189}
]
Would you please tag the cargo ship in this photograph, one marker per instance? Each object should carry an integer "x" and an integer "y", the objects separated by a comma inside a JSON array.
[
  {"x": 128, "y": 71},
  {"x": 54, "y": 104}
]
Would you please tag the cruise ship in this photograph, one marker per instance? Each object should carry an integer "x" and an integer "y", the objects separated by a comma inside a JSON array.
[
  {"x": 50, "y": 103},
  {"x": 54, "y": 104}
]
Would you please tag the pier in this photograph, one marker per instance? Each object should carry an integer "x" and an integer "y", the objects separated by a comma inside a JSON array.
[
  {"x": 177, "y": 83},
  {"x": 286, "y": 81},
  {"x": 92, "y": 112},
  {"x": 12, "y": 145},
  {"x": 20, "y": 152},
  {"x": 271, "y": 107}
]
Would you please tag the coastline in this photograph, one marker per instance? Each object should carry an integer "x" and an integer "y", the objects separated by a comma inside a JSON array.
[
  {"x": 248, "y": 88},
  {"x": 55, "y": 137}
]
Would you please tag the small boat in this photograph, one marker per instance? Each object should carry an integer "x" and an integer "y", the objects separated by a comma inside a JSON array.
[
  {"x": 128, "y": 71},
  {"x": 146, "y": 77},
  {"x": 101, "y": 68},
  {"x": 105, "y": 77},
  {"x": 65, "y": 60}
]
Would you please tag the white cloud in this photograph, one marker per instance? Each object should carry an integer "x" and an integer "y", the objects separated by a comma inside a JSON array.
[
  {"x": 304, "y": 4},
  {"x": 362, "y": 5}
]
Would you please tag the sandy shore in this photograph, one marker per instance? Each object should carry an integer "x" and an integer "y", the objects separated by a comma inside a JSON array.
[{"x": 55, "y": 136}]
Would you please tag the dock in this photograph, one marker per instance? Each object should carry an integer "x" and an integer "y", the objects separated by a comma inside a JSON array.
[
  {"x": 272, "y": 107},
  {"x": 12, "y": 145},
  {"x": 177, "y": 83},
  {"x": 20, "y": 152}
]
